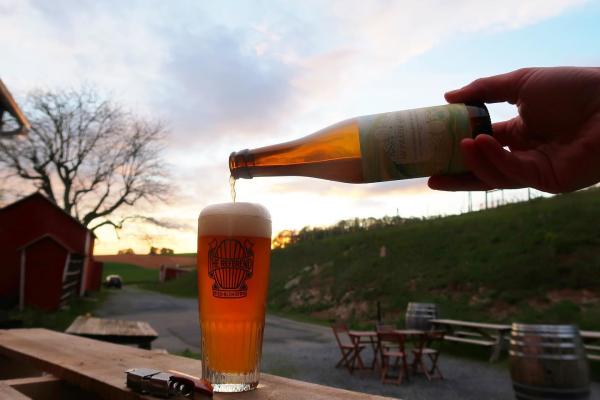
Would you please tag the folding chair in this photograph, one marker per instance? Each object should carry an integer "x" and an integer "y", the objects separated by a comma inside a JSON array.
[
  {"x": 392, "y": 346},
  {"x": 425, "y": 348},
  {"x": 381, "y": 327},
  {"x": 350, "y": 351}
]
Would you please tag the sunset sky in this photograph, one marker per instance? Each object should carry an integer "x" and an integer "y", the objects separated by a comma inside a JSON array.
[{"x": 229, "y": 75}]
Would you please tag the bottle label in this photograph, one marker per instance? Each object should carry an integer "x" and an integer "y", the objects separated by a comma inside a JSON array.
[{"x": 413, "y": 143}]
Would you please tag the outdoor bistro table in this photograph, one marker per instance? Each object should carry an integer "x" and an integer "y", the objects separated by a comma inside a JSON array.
[
  {"x": 82, "y": 368},
  {"x": 365, "y": 337},
  {"x": 475, "y": 333}
]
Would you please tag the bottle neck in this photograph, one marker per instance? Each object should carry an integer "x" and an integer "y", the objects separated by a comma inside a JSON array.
[
  {"x": 480, "y": 118},
  {"x": 240, "y": 163}
]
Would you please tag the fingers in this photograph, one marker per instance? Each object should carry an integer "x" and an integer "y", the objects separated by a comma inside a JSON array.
[
  {"x": 478, "y": 163},
  {"x": 454, "y": 183},
  {"x": 520, "y": 168},
  {"x": 493, "y": 89},
  {"x": 491, "y": 167},
  {"x": 512, "y": 133}
]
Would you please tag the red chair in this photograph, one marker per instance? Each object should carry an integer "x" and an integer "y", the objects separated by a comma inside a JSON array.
[
  {"x": 350, "y": 350},
  {"x": 392, "y": 346},
  {"x": 425, "y": 348}
]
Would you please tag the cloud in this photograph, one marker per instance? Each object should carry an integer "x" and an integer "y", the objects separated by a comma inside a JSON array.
[
  {"x": 306, "y": 186},
  {"x": 226, "y": 76},
  {"x": 220, "y": 83}
]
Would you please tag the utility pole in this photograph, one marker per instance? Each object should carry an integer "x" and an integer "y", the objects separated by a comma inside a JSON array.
[{"x": 470, "y": 206}]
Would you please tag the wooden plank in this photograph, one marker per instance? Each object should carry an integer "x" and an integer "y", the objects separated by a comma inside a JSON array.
[
  {"x": 39, "y": 387},
  {"x": 69, "y": 284},
  {"x": 48, "y": 387},
  {"x": 467, "y": 334},
  {"x": 10, "y": 369},
  {"x": 30, "y": 380},
  {"x": 590, "y": 334},
  {"x": 6, "y": 392},
  {"x": 470, "y": 324},
  {"x": 486, "y": 343},
  {"x": 99, "y": 367},
  {"x": 110, "y": 327}
]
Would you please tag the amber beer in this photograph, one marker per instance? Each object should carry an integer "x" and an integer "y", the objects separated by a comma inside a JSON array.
[
  {"x": 234, "y": 245},
  {"x": 373, "y": 148}
]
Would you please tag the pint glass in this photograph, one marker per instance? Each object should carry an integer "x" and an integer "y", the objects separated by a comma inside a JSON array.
[{"x": 234, "y": 245}]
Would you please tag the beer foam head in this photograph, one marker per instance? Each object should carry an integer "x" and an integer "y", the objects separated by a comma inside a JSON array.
[{"x": 228, "y": 219}]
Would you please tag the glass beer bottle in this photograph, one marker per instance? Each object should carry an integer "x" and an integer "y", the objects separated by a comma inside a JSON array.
[{"x": 373, "y": 148}]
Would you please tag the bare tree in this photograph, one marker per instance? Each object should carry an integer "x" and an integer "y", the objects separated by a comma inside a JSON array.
[{"x": 88, "y": 155}]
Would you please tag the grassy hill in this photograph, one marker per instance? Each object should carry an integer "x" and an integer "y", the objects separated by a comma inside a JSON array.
[{"x": 533, "y": 262}]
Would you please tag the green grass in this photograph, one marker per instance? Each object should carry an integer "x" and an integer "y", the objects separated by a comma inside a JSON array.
[
  {"x": 185, "y": 285},
  {"x": 60, "y": 320},
  {"x": 493, "y": 265},
  {"x": 189, "y": 354},
  {"x": 131, "y": 274}
]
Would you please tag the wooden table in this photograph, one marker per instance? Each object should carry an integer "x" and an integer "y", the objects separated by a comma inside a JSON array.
[
  {"x": 365, "y": 337},
  {"x": 482, "y": 334},
  {"x": 97, "y": 368},
  {"x": 114, "y": 331}
]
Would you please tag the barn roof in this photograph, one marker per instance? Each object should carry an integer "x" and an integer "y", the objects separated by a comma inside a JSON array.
[
  {"x": 41, "y": 196},
  {"x": 51, "y": 237}
]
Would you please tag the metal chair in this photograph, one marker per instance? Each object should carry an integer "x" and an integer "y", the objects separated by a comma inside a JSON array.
[
  {"x": 425, "y": 348},
  {"x": 350, "y": 351},
  {"x": 392, "y": 346}
]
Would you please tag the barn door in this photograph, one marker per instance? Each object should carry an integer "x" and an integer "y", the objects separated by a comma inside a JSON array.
[{"x": 72, "y": 278}]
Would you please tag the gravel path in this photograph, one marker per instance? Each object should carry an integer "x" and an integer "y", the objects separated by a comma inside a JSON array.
[{"x": 308, "y": 352}]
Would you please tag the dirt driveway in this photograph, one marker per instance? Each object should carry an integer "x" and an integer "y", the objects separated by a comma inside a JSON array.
[{"x": 308, "y": 352}]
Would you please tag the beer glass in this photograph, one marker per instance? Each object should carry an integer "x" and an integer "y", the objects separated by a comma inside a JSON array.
[{"x": 234, "y": 245}]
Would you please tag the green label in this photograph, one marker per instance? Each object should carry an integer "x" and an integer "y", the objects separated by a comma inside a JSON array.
[{"x": 413, "y": 143}]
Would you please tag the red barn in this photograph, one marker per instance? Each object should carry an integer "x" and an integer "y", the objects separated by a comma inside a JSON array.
[{"x": 46, "y": 255}]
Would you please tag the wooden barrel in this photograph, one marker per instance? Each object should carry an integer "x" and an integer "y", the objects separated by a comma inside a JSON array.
[
  {"x": 418, "y": 315},
  {"x": 548, "y": 362}
]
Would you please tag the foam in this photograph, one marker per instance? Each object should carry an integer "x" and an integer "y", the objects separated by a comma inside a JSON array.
[{"x": 243, "y": 219}]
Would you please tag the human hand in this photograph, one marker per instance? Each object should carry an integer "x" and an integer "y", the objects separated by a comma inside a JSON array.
[{"x": 554, "y": 142}]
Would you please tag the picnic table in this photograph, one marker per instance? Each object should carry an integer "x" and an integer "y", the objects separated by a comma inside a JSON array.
[
  {"x": 82, "y": 368},
  {"x": 114, "y": 331},
  {"x": 365, "y": 337},
  {"x": 478, "y": 333}
]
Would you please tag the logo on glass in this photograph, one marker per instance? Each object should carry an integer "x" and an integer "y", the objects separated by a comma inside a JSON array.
[{"x": 230, "y": 264}]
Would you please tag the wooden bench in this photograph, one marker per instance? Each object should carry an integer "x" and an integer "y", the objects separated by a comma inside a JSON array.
[
  {"x": 80, "y": 365},
  {"x": 118, "y": 331},
  {"x": 590, "y": 342},
  {"x": 477, "y": 333},
  {"x": 479, "y": 342}
]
